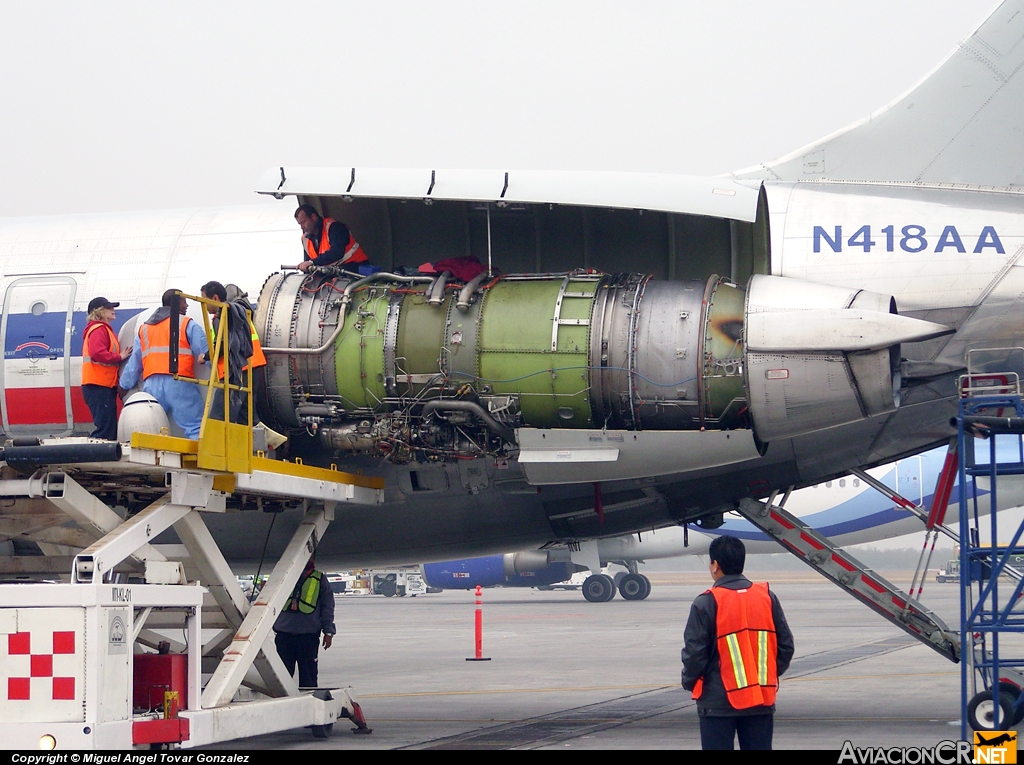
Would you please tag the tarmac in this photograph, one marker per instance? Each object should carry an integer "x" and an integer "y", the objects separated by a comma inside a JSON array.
[{"x": 568, "y": 674}]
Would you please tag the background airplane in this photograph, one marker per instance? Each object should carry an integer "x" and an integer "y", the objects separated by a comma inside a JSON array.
[{"x": 846, "y": 510}]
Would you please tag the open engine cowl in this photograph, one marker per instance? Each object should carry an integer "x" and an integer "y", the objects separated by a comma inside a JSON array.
[{"x": 407, "y": 367}]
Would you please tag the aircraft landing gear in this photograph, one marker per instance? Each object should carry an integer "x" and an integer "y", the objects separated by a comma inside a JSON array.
[
  {"x": 599, "y": 588},
  {"x": 634, "y": 587}
]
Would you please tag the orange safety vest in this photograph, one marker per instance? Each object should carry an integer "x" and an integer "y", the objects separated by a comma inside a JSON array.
[
  {"x": 93, "y": 372},
  {"x": 747, "y": 647},
  {"x": 257, "y": 359},
  {"x": 155, "y": 342},
  {"x": 353, "y": 252}
]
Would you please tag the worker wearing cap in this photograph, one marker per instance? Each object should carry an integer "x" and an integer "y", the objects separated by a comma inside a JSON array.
[
  {"x": 737, "y": 644},
  {"x": 101, "y": 355},
  {"x": 151, "y": 358},
  {"x": 326, "y": 241},
  {"x": 308, "y": 612}
]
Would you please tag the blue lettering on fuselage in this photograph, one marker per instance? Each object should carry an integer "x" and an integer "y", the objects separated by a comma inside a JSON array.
[
  {"x": 29, "y": 336},
  {"x": 909, "y": 238}
]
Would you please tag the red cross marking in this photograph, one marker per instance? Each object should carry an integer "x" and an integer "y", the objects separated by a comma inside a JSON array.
[{"x": 40, "y": 665}]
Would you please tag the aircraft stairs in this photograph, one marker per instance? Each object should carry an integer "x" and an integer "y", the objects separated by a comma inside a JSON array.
[{"x": 852, "y": 576}]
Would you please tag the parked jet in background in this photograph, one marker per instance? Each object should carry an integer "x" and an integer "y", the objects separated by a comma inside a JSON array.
[{"x": 846, "y": 510}]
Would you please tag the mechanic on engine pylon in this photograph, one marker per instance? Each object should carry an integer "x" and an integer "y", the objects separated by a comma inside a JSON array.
[
  {"x": 326, "y": 241},
  {"x": 737, "y": 643}
]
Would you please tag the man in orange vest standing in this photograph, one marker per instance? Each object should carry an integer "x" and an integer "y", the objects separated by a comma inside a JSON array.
[
  {"x": 101, "y": 355},
  {"x": 326, "y": 241},
  {"x": 151, "y": 361},
  {"x": 737, "y": 644}
]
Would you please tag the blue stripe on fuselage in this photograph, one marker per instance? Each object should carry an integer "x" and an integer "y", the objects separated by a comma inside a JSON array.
[{"x": 869, "y": 509}]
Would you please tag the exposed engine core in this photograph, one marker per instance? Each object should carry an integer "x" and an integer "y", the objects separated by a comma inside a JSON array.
[{"x": 413, "y": 368}]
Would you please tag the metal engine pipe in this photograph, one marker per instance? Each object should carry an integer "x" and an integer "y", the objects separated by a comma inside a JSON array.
[
  {"x": 473, "y": 408},
  {"x": 436, "y": 290},
  {"x": 346, "y": 298},
  {"x": 466, "y": 293}
]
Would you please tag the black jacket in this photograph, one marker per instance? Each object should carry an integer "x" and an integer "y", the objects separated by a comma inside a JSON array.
[
  {"x": 700, "y": 651},
  {"x": 239, "y": 340}
]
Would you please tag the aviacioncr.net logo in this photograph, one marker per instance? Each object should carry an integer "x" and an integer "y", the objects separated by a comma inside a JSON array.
[{"x": 943, "y": 753}]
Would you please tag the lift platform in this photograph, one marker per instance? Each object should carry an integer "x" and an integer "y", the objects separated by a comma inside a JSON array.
[{"x": 95, "y": 662}]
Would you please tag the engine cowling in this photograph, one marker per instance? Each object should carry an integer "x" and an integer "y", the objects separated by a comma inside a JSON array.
[
  {"x": 492, "y": 570},
  {"x": 404, "y": 368}
]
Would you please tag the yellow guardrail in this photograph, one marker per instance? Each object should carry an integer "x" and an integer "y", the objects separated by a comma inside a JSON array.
[{"x": 223, "y": 445}]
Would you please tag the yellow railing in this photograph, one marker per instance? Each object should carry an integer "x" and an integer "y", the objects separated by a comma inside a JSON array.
[{"x": 223, "y": 445}]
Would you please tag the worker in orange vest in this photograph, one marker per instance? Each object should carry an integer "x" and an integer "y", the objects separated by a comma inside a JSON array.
[
  {"x": 737, "y": 644},
  {"x": 326, "y": 241},
  {"x": 238, "y": 350},
  {"x": 151, "y": 358},
  {"x": 101, "y": 356},
  {"x": 258, "y": 361}
]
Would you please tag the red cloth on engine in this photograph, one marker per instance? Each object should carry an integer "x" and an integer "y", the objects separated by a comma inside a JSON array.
[{"x": 463, "y": 269}]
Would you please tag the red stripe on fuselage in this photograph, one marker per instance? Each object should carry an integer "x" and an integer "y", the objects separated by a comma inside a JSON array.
[{"x": 42, "y": 406}]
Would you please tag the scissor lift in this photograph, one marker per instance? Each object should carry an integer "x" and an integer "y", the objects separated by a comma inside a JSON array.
[{"x": 71, "y": 651}]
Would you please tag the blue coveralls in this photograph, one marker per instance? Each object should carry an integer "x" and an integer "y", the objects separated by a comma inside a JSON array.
[{"x": 182, "y": 400}]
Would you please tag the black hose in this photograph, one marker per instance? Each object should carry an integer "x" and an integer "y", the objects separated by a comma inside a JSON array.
[{"x": 61, "y": 454}]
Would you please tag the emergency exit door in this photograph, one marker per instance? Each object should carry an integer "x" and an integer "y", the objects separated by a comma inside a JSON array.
[
  {"x": 908, "y": 480},
  {"x": 36, "y": 372}
]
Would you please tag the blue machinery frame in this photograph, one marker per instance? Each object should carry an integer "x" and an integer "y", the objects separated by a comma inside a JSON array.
[{"x": 984, "y": 616}]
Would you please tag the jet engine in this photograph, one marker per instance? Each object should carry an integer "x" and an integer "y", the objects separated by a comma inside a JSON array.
[{"x": 414, "y": 368}]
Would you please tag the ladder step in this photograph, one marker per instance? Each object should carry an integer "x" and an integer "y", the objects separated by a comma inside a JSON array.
[{"x": 841, "y": 568}]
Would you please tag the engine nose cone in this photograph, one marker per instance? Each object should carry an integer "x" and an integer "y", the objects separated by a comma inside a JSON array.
[{"x": 141, "y": 414}]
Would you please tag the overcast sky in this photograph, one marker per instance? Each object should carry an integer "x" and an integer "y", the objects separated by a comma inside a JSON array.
[{"x": 130, "y": 105}]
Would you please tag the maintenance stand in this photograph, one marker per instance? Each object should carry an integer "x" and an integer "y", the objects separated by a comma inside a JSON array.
[
  {"x": 992, "y": 408},
  {"x": 89, "y": 663}
]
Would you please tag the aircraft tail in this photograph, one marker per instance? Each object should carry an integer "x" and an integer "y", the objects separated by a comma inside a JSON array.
[{"x": 963, "y": 123}]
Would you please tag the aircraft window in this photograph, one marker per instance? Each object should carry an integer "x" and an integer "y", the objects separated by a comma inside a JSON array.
[
  {"x": 856, "y": 482},
  {"x": 828, "y": 484},
  {"x": 38, "y": 308},
  {"x": 842, "y": 483}
]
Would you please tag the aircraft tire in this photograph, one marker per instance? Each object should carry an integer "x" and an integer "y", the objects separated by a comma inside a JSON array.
[
  {"x": 647, "y": 587},
  {"x": 598, "y": 588},
  {"x": 611, "y": 588},
  {"x": 322, "y": 731},
  {"x": 981, "y": 711},
  {"x": 1014, "y": 692},
  {"x": 633, "y": 587}
]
